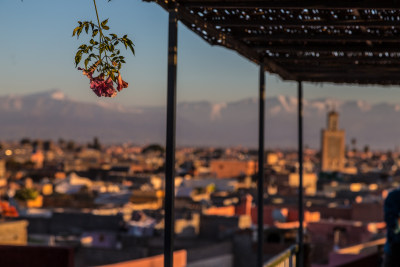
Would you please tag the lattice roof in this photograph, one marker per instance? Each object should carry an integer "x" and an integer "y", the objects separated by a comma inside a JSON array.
[{"x": 340, "y": 41}]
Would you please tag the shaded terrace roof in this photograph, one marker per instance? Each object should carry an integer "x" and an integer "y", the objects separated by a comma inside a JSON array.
[{"x": 340, "y": 41}]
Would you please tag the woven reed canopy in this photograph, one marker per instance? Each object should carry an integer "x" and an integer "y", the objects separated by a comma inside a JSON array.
[{"x": 339, "y": 41}]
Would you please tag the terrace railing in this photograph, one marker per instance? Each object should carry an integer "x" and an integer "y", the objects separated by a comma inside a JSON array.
[{"x": 287, "y": 258}]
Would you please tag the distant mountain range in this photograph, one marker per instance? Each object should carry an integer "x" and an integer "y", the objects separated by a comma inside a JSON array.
[{"x": 53, "y": 115}]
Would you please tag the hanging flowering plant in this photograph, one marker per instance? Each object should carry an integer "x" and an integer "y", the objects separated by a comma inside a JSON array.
[{"x": 102, "y": 57}]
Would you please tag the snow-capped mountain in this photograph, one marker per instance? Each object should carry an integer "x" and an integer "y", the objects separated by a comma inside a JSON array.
[{"x": 52, "y": 114}]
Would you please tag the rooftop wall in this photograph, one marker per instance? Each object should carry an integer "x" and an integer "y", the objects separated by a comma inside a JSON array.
[{"x": 156, "y": 261}]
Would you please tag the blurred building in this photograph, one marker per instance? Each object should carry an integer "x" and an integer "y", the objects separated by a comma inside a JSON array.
[
  {"x": 3, "y": 180},
  {"x": 333, "y": 145},
  {"x": 229, "y": 168},
  {"x": 13, "y": 232}
]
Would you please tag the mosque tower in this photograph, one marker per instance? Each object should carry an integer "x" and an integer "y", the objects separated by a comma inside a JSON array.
[{"x": 332, "y": 145}]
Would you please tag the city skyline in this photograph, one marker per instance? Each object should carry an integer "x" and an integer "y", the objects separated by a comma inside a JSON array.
[{"x": 199, "y": 123}]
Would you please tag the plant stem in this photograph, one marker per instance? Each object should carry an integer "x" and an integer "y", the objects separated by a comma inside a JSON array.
[{"x": 98, "y": 22}]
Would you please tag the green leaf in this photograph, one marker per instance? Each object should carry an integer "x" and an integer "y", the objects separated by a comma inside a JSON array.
[
  {"x": 79, "y": 32},
  {"x": 94, "y": 33},
  {"x": 131, "y": 47},
  {"x": 78, "y": 58},
  {"x": 86, "y": 27},
  {"x": 75, "y": 30},
  {"x": 86, "y": 62},
  {"x": 104, "y": 23}
]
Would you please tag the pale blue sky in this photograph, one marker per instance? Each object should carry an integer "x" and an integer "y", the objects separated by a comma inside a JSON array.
[{"x": 37, "y": 52}]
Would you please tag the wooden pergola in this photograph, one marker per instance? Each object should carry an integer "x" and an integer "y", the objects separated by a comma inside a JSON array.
[
  {"x": 343, "y": 41},
  {"x": 316, "y": 41}
]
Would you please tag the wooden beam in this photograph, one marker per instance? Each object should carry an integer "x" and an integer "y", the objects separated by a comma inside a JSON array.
[
  {"x": 298, "y": 72},
  {"x": 272, "y": 66},
  {"x": 341, "y": 76},
  {"x": 301, "y": 23},
  {"x": 343, "y": 70},
  {"x": 383, "y": 80},
  {"x": 326, "y": 48},
  {"x": 292, "y": 4},
  {"x": 317, "y": 38},
  {"x": 332, "y": 60},
  {"x": 356, "y": 13}
]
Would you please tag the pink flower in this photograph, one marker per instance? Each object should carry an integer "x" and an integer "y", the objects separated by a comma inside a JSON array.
[
  {"x": 102, "y": 87},
  {"x": 121, "y": 83},
  {"x": 109, "y": 90}
]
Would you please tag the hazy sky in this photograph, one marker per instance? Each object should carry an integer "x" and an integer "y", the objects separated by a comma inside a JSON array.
[{"x": 37, "y": 53}]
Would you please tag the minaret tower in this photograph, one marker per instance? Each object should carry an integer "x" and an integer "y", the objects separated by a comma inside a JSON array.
[{"x": 333, "y": 145}]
